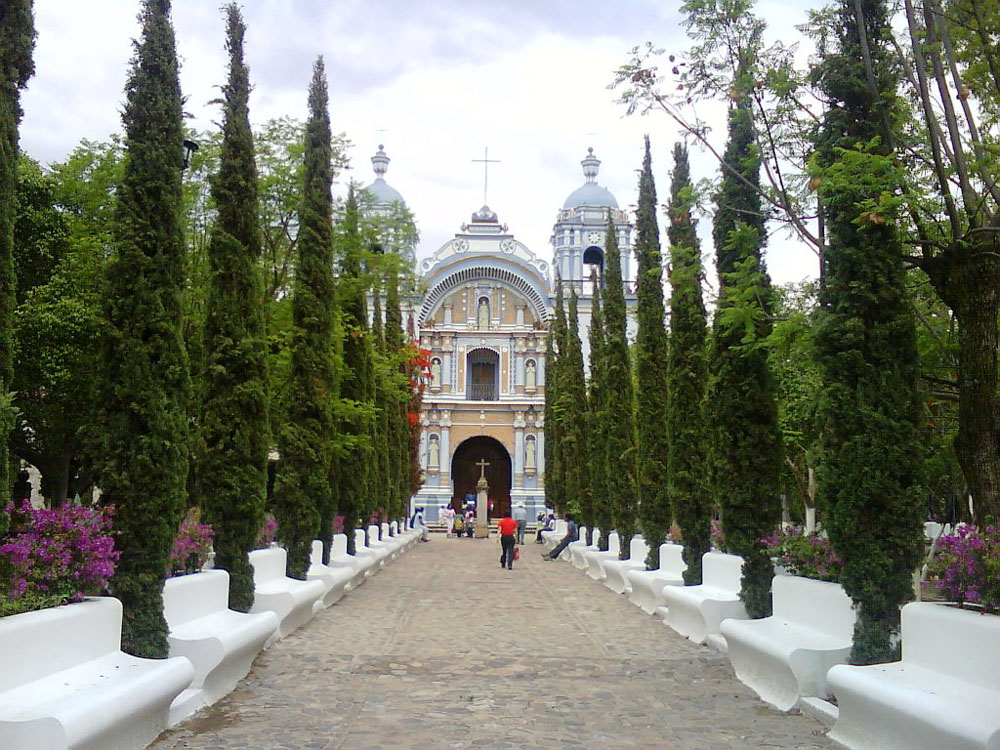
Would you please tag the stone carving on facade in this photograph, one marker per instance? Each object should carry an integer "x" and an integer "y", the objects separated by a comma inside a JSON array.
[
  {"x": 529, "y": 375},
  {"x": 433, "y": 453}
]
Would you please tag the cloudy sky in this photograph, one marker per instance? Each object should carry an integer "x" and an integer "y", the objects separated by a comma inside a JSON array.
[{"x": 436, "y": 81}]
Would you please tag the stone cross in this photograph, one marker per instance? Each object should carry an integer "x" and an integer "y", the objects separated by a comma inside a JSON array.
[
  {"x": 486, "y": 161},
  {"x": 483, "y": 463}
]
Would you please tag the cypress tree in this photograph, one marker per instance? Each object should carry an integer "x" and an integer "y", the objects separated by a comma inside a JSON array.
[
  {"x": 619, "y": 443},
  {"x": 17, "y": 41},
  {"x": 572, "y": 408},
  {"x": 302, "y": 491},
  {"x": 555, "y": 472},
  {"x": 382, "y": 458},
  {"x": 865, "y": 339},
  {"x": 601, "y": 511},
  {"x": 145, "y": 379},
  {"x": 356, "y": 385},
  {"x": 234, "y": 423},
  {"x": 399, "y": 424},
  {"x": 742, "y": 412},
  {"x": 651, "y": 372},
  {"x": 686, "y": 374}
]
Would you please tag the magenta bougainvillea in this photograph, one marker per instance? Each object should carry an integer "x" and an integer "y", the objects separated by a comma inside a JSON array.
[
  {"x": 268, "y": 531},
  {"x": 191, "y": 549},
  {"x": 967, "y": 566},
  {"x": 51, "y": 557},
  {"x": 807, "y": 556}
]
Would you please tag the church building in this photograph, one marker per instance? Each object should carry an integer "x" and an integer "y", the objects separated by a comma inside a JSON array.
[{"x": 484, "y": 316}]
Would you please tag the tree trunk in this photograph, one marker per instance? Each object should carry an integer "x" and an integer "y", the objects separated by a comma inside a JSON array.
[{"x": 970, "y": 288}]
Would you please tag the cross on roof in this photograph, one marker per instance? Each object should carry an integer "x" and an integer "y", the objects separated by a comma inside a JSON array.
[
  {"x": 483, "y": 463},
  {"x": 486, "y": 161}
]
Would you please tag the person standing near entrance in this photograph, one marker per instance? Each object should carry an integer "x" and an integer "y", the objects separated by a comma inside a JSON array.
[
  {"x": 520, "y": 515},
  {"x": 507, "y": 528}
]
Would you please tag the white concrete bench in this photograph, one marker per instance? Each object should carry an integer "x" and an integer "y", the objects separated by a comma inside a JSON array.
[
  {"x": 397, "y": 544},
  {"x": 647, "y": 585},
  {"x": 786, "y": 656},
  {"x": 385, "y": 543},
  {"x": 575, "y": 550},
  {"x": 361, "y": 549},
  {"x": 553, "y": 537},
  {"x": 220, "y": 643},
  {"x": 335, "y": 578},
  {"x": 616, "y": 570},
  {"x": 697, "y": 611},
  {"x": 594, "y": 557},
  {"x": 290, "y": 599},
  {"x": 361, "y": 567},
  {"x": 945, "y": 693},
  {"x": 65, "y": 683}
]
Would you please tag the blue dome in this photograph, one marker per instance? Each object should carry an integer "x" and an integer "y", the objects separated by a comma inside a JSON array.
[
  {"x": 383, "y": 192},
  {"x": 590, "y": 194}
]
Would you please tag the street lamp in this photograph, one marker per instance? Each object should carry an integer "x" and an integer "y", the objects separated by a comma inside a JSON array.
[{"x": 189, "y": 148}]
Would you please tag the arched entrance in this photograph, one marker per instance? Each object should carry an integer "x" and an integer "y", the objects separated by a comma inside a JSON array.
[{"x": 465, "y": 473}]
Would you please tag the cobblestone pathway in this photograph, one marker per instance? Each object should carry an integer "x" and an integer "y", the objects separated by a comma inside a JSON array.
[{"x": 444, "y": 649}]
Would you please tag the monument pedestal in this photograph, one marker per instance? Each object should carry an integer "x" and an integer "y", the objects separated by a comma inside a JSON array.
[{"x": 482, "y": 509}]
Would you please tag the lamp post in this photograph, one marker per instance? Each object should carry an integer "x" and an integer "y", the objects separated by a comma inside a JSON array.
[{"x": 189, "y": 148}]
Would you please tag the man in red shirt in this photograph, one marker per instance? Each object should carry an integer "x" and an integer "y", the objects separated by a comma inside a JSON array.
[{"x": 507, "y": 528}]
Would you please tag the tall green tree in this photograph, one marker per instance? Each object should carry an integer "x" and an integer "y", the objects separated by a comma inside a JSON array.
[
  {"x": 869, "y": 479},
  {"x": 687, "y": 374},
  {"x": 601, "y": 515},
  {"x": 619, "y": 444},
  {"x": 145, "y": 377},
  {"x": 357, "y": 388},
  {"x": 742, "y": 411},
  {"x": 306, "y": 438},
  {"x": 572, "y": 408},
  {"x": 17, "y": 42},
  {"x": 395, "y": 344},
  {"x": 234, "y": 421},
  {"x": 652, "y": 438},
  {"x": 381, "y": 438},
  {"x": 555, "y": 490}
]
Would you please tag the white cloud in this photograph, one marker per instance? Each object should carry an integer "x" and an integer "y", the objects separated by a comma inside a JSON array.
[{"x": 444, "y": 78}]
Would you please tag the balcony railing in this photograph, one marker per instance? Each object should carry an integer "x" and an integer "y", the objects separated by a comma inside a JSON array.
[{"x": 479, "y": 392}]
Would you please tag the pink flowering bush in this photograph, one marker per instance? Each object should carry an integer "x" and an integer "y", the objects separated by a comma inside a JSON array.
[
  {"x": 192, "y": 546},
  {"x": 51, "y": 557},
  {"x": 716, "y": 532},
  {"x": 806, "y": 556},
  {"x": 967, "y": 566},
  {"x": 268, "y": 531},
  {"x": 338, "y": 524}
]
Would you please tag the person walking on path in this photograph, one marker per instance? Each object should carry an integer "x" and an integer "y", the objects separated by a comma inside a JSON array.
[
  {"x": 521, "y": 516},
  {"x": 507, "y": 528},
  {"x": 571, "y": 536}
]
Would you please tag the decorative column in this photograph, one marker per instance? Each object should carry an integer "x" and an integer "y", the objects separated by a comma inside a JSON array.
[
  {"x": 519, "y": 425},
  {"x": 448, "y": 309},
  {"x": 446, "y": 364},
  {"x": 445, "y": 472}
]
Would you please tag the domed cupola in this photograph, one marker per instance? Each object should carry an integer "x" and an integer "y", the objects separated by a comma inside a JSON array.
[
  {"x": 383, "y": 193},
  {"x": 578, "y": 236},
  {"x": 590, "y": 193}
]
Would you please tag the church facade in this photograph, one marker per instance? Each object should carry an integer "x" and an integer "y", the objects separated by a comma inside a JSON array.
[{"x": 483, "y": 317}]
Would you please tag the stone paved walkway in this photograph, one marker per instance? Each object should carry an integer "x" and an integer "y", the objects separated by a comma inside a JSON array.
[{"x": 444, "y": 649}]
